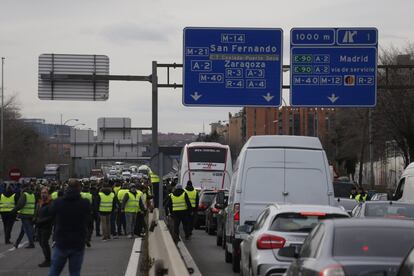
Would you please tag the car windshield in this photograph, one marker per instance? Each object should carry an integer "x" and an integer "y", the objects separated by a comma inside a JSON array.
[
  {"x": 207, "y": 197},
  {"x": 385, "y": 209},
  {"x": 300, "y": 222},
  {"x": 372, "y": 241}
]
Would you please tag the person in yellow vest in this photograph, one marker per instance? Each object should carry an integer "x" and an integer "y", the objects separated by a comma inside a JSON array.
[
  {"x": 132, "y": 204},
  {"x": 362, "y": 195},
  {"x": 179, "y": 206},
  {"x": 86, "y": 194},
  {"x": 140, "y": 225},
  {"x": 106, "y": 201},
  {"x": 194, "y": 199},
  {"x": 25, "y": 209},
  {"x": 155, "y": 187},
  {"x": 120, "y": 220},
  {"x": 8, "y": 201}
]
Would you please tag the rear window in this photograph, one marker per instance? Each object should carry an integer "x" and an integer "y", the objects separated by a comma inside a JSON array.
[
  {"x": 210, "y": 155},
  {"x": 342, "y": 189},
  {"x": 373, "y": 241},
  {"x": 296, "y": 222},
  {"x": 207, "y": 197},
  {"x": 387, "y": 210}
]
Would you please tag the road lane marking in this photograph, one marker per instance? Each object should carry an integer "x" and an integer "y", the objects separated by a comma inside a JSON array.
[{"x": 134, "y": 258}]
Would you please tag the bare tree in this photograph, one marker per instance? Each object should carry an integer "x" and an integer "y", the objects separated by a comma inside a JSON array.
[{"x": 394, "y": 116}]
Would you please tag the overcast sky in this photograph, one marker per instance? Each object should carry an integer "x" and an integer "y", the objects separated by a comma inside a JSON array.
[{"x": 133, "y": 33}]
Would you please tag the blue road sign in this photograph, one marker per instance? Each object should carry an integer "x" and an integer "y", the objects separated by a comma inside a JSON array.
[
  {"x": 232, "y": 67},
  {"x": 333, "y": 67}
]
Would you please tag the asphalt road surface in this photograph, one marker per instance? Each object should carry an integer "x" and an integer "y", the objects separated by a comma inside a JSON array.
[
  {"x": 103, "y": 258},
  {"x": 208, "y": 256}
]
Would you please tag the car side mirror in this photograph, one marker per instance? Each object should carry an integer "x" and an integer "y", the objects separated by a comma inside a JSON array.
[
  {"x": 289, "y": 252},
  {"x": 220, "y": 198}
]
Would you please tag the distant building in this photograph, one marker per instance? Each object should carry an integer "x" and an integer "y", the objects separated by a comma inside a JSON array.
[
  {"x": 236, "y": 132},
  {"x": 289, "y": 121}
]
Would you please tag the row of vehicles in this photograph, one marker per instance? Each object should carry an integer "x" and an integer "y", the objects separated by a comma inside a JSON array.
[
  {"x": 122, "y": 172},
  {"x": 279, "y": 215}
]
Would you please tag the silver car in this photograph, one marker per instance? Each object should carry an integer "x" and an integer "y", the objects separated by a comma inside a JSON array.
[{"x": 276, "y": 227}]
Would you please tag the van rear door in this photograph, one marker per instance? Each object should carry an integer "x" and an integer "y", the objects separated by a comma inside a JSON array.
[
  {"x": 263, "y": 181},
  {"x": 306, "y": 177}
]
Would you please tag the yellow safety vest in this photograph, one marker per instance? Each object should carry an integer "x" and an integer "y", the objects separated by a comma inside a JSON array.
[
  {"x": 154, "y": 178},
  {"x": 29, "y": 207},
  {"x": 361, "y": 199},
  {"x": 121, "y": 194},
  {"x": 87, "y": 196},
  {"x": 192, "y": 195},
  {"x": 106, "y": 202},
  {"x": 132, "y": 205},
  {"x": 6, "y": 203},
  {"x": 116, "y": 189},
  {"x": 54, "y": 195},
  {"x": 178, "y": 202}
]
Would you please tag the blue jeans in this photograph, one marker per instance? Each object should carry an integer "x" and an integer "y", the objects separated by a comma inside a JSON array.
[
  {"x": 27, "y": 228},
  {"x": 59, "y": 258}
]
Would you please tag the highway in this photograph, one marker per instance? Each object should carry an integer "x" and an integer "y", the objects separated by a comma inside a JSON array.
[
  {"x": 208, "y": 257},
  {"x": 103, "y": 258}
]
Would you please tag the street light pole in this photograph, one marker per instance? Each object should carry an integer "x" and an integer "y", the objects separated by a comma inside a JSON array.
[{"x": 2, "y": 121}]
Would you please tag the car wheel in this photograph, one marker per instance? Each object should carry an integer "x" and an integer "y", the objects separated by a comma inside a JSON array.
[
  {"x": 219, "y": 239},
  {"x": 223, "y": 243},
  {"x": 197, "y": 224},
  {"x": 227, "y": 255},
  {"x": 235, "y": 261},
  {"x": 210, "y": 230},
  {"x": 206, "y": 226}
]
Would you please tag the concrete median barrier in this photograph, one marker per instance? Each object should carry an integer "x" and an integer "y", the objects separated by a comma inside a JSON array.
[{"x": 166, "y": 257}]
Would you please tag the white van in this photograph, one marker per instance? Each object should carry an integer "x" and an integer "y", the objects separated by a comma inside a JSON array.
[
  {"x": 274, "y": 169},
  {"x": 405, "y": 188}
]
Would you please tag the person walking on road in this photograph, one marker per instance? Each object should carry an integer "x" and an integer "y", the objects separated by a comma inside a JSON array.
[
  {"x": 121, "y": 222},
  {"x": 8, "y": 201},
  {"x": 179, "y": 206},
  {"x": 106, "y": 202},
  {"x": 140, "y": 225},
  {"x": 194, "y": 199},
  {"x": 25, "y": 209},
  {"x": 86, "y": 194},
  {"x": 132, "y": 204},
  {"x": 44, "y": 224},
  {"x": 71, "y": 213}
]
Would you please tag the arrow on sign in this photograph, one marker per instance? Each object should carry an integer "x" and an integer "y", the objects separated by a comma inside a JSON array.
[
  {"x": 196, "y": 96},
  {"x": 268, "y": 97},
  {"x": 333, "y": 98}
]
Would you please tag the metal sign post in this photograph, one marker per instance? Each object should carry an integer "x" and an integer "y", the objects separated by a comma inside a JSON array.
[{"x": 2, "y": 167}]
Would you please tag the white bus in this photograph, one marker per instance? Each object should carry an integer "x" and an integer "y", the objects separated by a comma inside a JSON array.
[{"x": 207, "y": 165}]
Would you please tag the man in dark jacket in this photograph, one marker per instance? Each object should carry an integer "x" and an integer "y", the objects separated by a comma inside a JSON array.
[
  {"x": 71, "y": 213},
  {"x": 179, "y": 207},
  {"x": 44, "y": 224}
]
